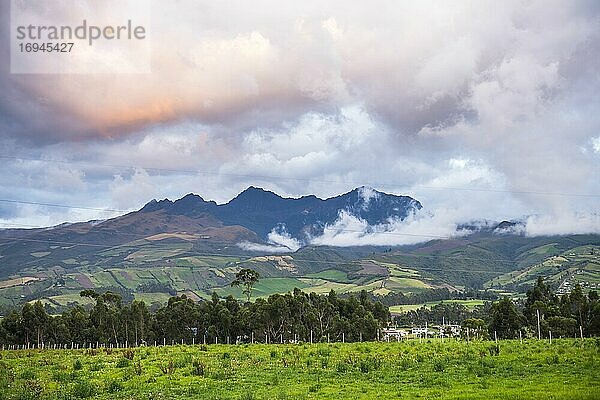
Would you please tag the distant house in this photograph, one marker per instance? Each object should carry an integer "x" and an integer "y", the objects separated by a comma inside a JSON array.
[
  {"x": 394, "y": 334},
  {"x": 450, "y": 330},
  {"x": 421, "y": 331}
]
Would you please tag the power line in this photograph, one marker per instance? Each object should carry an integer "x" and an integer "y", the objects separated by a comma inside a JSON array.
[
  {"x": 310, "y": 180},
  {"x": 35, "y": 203}
]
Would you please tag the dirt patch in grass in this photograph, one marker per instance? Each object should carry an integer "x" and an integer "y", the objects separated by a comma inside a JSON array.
[{"x": 85, "y": 281}]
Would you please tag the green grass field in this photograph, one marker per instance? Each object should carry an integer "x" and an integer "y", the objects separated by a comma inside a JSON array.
[
  {"x": 470, "y": 304},
  {"x": 331, "y": 275},
  {"x": 565, "y": 369}
]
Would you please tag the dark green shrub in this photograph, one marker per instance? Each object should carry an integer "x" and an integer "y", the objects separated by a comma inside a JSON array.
[
  {"x": 77, "y": 365},
  {"x": 83, "y": 390},
  {"x": 314, "y": 388},
  {"x": 550, "y": 360},
  {"x": 122, "y": 363},
  {"x": 439, "y": 365},
  {"x": 369, "y": 364},
  {"x": 114, "y": 387},
  {"x": 324, "y": 362},
  {"x": 62, "y": 376},
  {"x": 183, "y": 361},
  {"x": 342, "y": 367},
  {"x": 324, "y": 352},
  {"x": 405, "y": 363},
  {"x": 6, "y": 377},
  {"x": 199, "y": 367},
  {"x": 494, "y": 350},
  {"x": 27, "y": 374}
]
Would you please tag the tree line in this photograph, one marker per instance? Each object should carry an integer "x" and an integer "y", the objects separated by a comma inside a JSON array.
[
  {"x": 436, "y": 294},
  {"x": 569, "y": 315},
  {"x": 293, "y": 316}
]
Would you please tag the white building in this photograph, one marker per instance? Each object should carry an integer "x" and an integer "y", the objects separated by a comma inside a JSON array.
[{"x": 393, "y": 334}]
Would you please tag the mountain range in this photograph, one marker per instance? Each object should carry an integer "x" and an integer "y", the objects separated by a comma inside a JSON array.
[
  {"x": 194, "y": 246},
  {"x": 210, "y": 227},
  {"x": 262, "y": 211}
]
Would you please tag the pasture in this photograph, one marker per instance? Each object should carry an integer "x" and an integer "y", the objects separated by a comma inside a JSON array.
[{"x": 563, "y": 369}]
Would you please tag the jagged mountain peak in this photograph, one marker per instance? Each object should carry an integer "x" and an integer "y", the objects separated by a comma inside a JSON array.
[{"x": 154, "y": 205}]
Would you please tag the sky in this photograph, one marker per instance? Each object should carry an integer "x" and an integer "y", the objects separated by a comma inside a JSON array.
[{"x": 478, "y": 109}]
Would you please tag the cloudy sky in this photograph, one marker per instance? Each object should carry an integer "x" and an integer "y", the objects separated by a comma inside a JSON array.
[{"x": 478, "y": 109}]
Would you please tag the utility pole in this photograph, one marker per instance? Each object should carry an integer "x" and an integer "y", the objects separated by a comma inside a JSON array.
[{"x": 538, "y": 324}]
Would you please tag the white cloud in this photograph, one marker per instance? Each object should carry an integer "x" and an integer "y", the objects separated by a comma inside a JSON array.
[
  {"x": 279, "y": 241},
  {"x": 367, "y": 194},
  {"x": 348, "y": 230},
  {"x": 566, "y": 223},
  {"x": 280, "y": 236},
  {"x": 262, "y": 248},
  {"x": 596, "y": 144},
  {"x": 131, "y": 191}
]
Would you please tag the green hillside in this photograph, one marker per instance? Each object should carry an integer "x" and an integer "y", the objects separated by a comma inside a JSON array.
[
  {"x": 475, "y": 260},
  {"x": 162, "y": 265},
  {"x": 564, "y": 270}
]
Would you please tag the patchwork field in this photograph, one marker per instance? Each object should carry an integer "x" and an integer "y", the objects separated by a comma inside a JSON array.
[
  {"x": 565, "y": 369},
  {"x": 200, "y": 276},
  {"x": 469, "y": 304}
]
